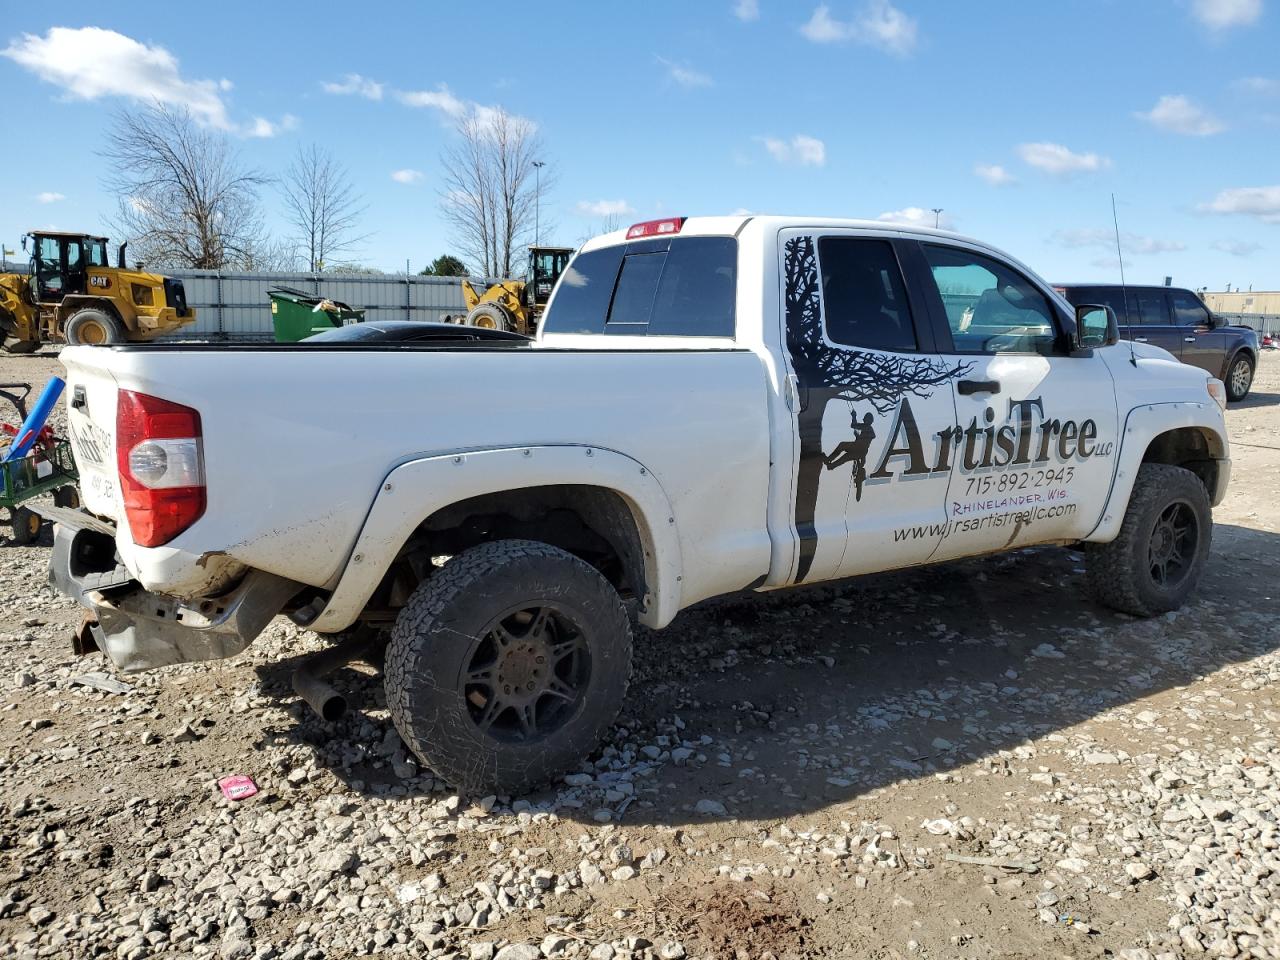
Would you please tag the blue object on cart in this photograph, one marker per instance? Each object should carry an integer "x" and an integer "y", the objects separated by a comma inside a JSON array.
[{"x": 34, "y": 423}]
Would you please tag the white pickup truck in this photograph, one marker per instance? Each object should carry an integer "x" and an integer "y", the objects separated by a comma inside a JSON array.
[{"x": 712, "y": 405}]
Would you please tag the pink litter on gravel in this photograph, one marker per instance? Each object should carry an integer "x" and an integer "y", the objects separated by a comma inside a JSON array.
[{"x": 238, "y": 787}]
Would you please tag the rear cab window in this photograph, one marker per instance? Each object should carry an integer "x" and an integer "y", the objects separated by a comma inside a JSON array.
[{"x": 677, "y": 287}]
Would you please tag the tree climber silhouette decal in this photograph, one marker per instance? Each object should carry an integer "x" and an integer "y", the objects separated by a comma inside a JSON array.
[{"x": 827, "y": 373}]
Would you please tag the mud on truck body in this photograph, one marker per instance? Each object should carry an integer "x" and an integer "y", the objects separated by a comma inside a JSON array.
[{"x": 724, "y": 404}]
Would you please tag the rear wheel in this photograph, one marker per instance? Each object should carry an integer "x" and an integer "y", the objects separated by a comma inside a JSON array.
[
  {"x": 1160, "y": 553},
  {"x": 1239, "y": 377},
  {"x": 507, "y": 666},
  {"x": 25, "y": 524},
  {"x": 93, "y": 327},
  {"x": 488, "y": 316}
]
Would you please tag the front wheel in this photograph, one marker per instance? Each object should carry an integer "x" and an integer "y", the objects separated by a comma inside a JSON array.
[
  {"x": 1155, "y": 562},
  {"x": 1239, "y": 377},
  {"x": 507, "y": 666}
]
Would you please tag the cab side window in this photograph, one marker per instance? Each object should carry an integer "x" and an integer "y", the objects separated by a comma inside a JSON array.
[
  {"x": 1188, "y": 311},
  {"x": 864, "y": 299},
  {"x": 990, "y": 307},
  {"x": 1149, "y": 308}
]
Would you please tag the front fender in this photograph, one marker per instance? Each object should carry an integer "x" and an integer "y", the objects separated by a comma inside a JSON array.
[
  {"x": 1142, "y": 425},
  {"x": 415, "y": 490}
]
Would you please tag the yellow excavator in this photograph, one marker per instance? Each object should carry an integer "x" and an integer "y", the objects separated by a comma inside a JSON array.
[
  {"x": 517, "y": 305},
  {"x": 73, "y": 294}
]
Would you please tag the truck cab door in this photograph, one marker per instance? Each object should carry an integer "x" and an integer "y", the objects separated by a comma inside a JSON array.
[
  {"x": 868, "y": 391},
  {"x": 50, "y": 279},
  {"x": 1154, "y": 324},
  {"x": 1202, "y": 345},
  {"x": 1031, "y": 453}
]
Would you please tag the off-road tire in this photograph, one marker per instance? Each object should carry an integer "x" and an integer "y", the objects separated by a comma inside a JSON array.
[
  {"x": 1238, "y": 385},
  {"x": 25, "y": 525},
  {"x": 1119, "y": 573},
  {"x": 85, "y": 326},
  {"x": 490, "y": 316},
  {"x": 444, "y": 625}
]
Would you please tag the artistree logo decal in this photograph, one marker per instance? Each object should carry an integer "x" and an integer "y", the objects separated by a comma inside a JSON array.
[{"x": 1024, "y": 439}]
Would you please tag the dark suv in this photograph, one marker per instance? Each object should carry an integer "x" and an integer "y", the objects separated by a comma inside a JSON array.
[{"x": 1177, "y": 320}]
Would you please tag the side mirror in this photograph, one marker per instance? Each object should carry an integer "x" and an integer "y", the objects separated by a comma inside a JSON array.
[{"x": 1095, "y": 327}]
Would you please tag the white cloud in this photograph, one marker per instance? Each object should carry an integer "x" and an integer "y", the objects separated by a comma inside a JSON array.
[
  {"x": 1237, "y": 248},
  {"x": 746, "y": 10},
  {"x": 1223, "y": 14},
  {"x": 90, "y": 63},
  {"x": 605, "y": 208},
  {"x": 438, "y": 99},
  {"x": 1260, "y": 202},
  {"x": 1056, "y": 159},
  {"x": 802, "y": 150},
  {"x": 1131, "y": 243},
  {"x": 1177, "y": 114},
  {"x": 995, "y": 174},
  {"x": 1259, "y": 84},
  {"x": 741, "y": 212},
  {"x": 406, "y": 176},
  {"x": 685, "y": 76},
  {"x": 49, "y": 196},
  {"x": 917, "y": 217},
  {"x": 879, "y": 24},
  {"x": 263, "y": 128},
  {"x": 354, "y": 84}
]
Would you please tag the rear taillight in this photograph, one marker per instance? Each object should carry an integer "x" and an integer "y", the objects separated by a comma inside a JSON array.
[
  {"x": 161, "y": 462},
  {"x": 655, "y": 228}
]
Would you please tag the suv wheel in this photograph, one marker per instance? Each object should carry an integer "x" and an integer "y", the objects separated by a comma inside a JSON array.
[
  {"x": 507, "y": 666},
  {"x": 1239, "y": 377},
  {"x": 1155, "y": 562}
]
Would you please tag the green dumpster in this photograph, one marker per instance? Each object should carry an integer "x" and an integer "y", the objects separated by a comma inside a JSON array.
[{"x": 296, "y": 315}]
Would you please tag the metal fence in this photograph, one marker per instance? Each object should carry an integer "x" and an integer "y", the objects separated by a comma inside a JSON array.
[
  {"x": 1262, "y": 322},
  {"x": 235, "y": 305}
]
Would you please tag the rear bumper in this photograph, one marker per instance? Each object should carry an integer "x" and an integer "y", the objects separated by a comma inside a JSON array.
[{"x": 140, "y": 629}]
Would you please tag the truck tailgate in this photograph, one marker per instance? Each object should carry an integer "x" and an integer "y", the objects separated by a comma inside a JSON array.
[{"x": 91, "y": 417}]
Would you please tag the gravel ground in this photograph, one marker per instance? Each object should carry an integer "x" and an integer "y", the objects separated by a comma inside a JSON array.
[{"x": 971, "y": 760}]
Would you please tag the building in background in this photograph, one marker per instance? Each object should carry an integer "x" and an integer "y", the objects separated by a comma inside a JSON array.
[{"x": 1259, "y": 309}]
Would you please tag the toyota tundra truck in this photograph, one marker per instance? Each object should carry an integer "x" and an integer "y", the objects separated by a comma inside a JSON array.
[{"x": 711, "y": 405}]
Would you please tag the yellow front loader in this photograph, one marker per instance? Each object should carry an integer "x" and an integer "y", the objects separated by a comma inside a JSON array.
[
  {"x": 517, "y": 305},
  {"x": 73, "y": 295}
]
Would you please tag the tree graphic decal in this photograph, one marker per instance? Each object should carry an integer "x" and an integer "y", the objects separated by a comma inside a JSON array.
[{"x": 826, "y": 373}]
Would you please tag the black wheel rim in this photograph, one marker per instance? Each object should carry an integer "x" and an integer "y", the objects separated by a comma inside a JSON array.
[
  {"x": 527, "y": 676},
  {"x": 1175, "y": 539}
]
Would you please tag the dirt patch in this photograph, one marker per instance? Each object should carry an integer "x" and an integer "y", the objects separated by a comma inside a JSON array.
[{"x": 737, "y": 921}]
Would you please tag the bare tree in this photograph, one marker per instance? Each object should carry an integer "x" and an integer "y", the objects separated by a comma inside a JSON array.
[
  {"x": 490, "y": 188},
  {"x": 184, "y": 198},
  {"x": 321, "y": 204}
]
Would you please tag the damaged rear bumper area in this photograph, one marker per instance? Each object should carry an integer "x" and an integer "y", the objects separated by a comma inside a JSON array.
[{"x": 139, "y": 629}]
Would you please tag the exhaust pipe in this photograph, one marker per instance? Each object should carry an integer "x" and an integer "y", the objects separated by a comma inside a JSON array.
[{"x": 327, "y": 702}]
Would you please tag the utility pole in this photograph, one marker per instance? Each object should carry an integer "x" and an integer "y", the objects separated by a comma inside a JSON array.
[
  {"x": 937, "y": 216},
  {"x": 537, "y": 203}
]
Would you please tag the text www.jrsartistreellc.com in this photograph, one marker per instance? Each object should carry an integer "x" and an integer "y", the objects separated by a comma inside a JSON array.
[{"x": 946, "y": 528}]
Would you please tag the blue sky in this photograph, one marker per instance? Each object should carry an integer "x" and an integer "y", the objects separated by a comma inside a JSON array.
[{"x": 1018, "y": 119}]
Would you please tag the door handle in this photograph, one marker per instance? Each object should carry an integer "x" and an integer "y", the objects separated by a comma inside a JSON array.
[
  {"x": 968, "y": 387},
  {"x": 793, "y": 392},
  {"x": 1139, "y": 339},
  {"x": 1188, "y": 339}
]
